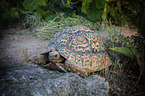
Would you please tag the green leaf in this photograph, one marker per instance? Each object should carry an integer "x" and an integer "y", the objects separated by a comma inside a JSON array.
[
  {"x": 44, "y": 2},
  {"x": 83, "y": 8},
  {"x": 28, "y": 5},
  {"x": 107, "y": 10},
  {"x": 113, "y": 12},
  {"x": 93, "y": 8},
  {"x": 4, "y": 4},
  {"x": 99, "y": 4},
  {"x": 93, "y": 13},
  {"x": 14, "y": 13},
  {"x": 128, "y": 51}
]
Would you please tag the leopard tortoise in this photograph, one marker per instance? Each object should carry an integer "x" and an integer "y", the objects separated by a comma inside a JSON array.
[{"x": 75, "y": 49}]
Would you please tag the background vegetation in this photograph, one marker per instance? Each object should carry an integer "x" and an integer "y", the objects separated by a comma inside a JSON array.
[
  {"x": 48, "y": 16},
  {"x": 118, "y": 12}
]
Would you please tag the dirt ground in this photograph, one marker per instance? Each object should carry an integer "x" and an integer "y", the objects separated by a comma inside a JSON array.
[{"x": 22, "y": 45}]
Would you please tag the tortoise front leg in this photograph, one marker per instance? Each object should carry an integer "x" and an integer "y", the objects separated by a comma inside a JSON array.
[
  {"x": 55, "y": 66},
  {"x": 75, "y": 69}
]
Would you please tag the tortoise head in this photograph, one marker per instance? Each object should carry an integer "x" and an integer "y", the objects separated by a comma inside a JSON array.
[{"x": 54, "y": 56}]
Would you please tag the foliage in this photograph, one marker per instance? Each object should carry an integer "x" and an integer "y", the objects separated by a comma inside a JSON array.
[
  {"x": 62, "y": 21},
  {"x": 128, "y": 46},
  {"x": 68, "y": 3},
  {"x": 38, "y": 7},
  {"x": 93, "y": 8},
  {"x": 112, "y": 9},
  {"x": 116, "y": 39},
  {"x": 121, "y": 12},
  {"x": 9, "y": 12},
  {"x": 30, "y": 21},
  {"x": 116, "y": 11},
  {"x": 15, "y": 9},
  {"x": 89, "y": 7},
  {"x": 128, "y": 51},
  {"x": 128, "y": 66},
  {"x": 131, "y": 47}
]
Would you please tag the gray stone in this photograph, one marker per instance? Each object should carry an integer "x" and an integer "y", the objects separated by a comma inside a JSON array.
[{"x": 22, "y": 79}]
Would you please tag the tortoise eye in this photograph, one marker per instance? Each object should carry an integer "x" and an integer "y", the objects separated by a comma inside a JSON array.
[{"x": 55, "y": 56}]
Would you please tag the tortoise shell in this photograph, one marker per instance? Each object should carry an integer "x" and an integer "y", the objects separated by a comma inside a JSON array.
[{"x": 79, "y": 45}]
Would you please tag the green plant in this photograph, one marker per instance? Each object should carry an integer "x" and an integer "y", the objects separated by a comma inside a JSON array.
[
  {"x": 128, "y": 64},
  {"x": 121, "y": 12},
  {"x": 61, "y": 21},
  {"x": 69, "y": 3},
  {"x": 128, "y": 46},
  {"x": 31, "y": 21},
  {"x": 39, "y": 7},
  {"x": 9, "y": 12},
  {"x": 93, "y": 8},
  {"x": 25, "y": 53},
  {"x": 130, "y": 52}
]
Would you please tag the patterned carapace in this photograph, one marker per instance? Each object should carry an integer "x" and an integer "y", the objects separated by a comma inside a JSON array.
[{"x": 80, "y": 45}]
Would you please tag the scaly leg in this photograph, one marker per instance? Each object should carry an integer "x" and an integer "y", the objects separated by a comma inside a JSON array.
[
  {"x": 55, "y": 66},
  {"x": 75, "y": 69}
]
